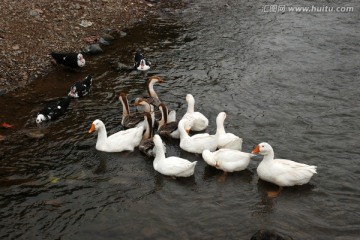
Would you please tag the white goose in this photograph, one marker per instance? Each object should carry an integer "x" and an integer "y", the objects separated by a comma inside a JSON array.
[
  {"x": 125, "y": 140},
  {"x": 196, "y": 143},
  {"x": 130, "y": 120},
  {"x": 282, "y": 172},
  {"x": 198, "y": 121},
  {"x": 228, "y": 160},
  {"x": 226, "y": 140},
  {"x": 171, "y": 166}
]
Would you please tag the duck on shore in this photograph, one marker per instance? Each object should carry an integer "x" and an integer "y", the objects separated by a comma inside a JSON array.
[{"x": 71, "y": 60}]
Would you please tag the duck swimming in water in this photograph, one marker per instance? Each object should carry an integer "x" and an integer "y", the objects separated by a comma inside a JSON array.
[
  {"x": 140, "y": 62},
  {"x": 53, "y": 110},
  {"x": 80, "y": 89}
]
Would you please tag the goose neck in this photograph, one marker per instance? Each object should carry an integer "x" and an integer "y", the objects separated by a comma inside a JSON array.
[
  {"x": 220, "y": 127},
  {"x": 164, "y": 117},
  {"x": 125, "y": 106},
  {"x": 102, "y": 135},
  {"x": 269, "y": 156},
  {"x": 151, "y": 90}
]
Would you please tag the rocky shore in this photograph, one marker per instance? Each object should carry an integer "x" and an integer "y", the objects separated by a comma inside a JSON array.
[{"x": 30, "y": 30}]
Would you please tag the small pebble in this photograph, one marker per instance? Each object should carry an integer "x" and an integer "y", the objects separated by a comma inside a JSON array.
[
  {"x": 123, "y": 34},
  {"x": 34, "y": 13}
]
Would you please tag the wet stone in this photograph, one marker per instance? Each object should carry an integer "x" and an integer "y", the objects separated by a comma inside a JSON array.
[
  {"x": 121, "y": 66},
  {"x": 34, "y": 13},
  {"x": 103, "y": 41},
  {"x": 95, "y": 49},
  {"x": 16, "y": 47},
  {"x": 107, "y": 37},
  {"x": 34, "y": 134},
  {"x": 122, "y": 34}
]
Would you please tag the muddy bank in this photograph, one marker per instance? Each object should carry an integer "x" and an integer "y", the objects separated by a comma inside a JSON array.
[{"x": 30, "y": 31}]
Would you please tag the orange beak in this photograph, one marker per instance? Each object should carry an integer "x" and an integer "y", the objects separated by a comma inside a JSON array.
[
  {"x": 92, "y": 129},
  {"x": 256, "y": 150},
  {"x": 187, "y": 130}
]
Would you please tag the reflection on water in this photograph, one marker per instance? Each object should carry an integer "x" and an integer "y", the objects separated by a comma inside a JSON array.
[{"x": 288, "y": 79}]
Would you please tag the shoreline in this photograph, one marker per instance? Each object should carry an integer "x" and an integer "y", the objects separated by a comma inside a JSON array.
[{"x": 30, "y": 31}]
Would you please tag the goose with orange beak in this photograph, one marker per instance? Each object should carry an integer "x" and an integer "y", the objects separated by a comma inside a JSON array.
[
  {"x": 282, "y": 172},
  {"x": 125, "y": 140},
  {"x": 196, "y": 143}
]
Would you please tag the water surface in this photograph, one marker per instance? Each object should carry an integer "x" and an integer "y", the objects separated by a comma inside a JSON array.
[{"x": 289, "y": 79}]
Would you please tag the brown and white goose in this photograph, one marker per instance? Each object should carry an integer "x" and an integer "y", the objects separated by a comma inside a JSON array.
[
  {"x": 129, "y": 120},
  {"x": 152, "y": 97},
  {"x": 167, "y": 128},
  {"x": 148, "y": 108},
  {"x": 146, "y": 145}
]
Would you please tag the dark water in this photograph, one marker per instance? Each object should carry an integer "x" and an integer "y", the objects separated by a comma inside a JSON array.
[{"x": 289, "y": 79}]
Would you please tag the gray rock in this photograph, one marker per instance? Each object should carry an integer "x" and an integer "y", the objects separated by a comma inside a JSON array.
[
  {"x": 107, "y": 37},
  {"x": 103, "y": 41},
  {"x": 95, "y": 48},
  {"x": 120, "y": 66},
  {"x": 122, "y": 34},
  {"x": 34, "y": 13}
]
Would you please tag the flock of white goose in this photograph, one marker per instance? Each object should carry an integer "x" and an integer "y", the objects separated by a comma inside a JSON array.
[{"x": 221, "y": 150}]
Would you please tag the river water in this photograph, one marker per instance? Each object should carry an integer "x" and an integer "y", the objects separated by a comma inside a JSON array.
[{"x": 290, "y": 79}]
